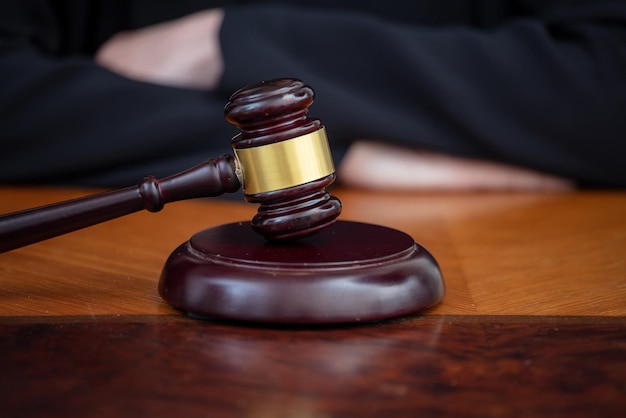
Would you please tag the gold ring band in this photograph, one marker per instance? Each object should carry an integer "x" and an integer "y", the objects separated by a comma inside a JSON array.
[{"x": 285, "y": 164}]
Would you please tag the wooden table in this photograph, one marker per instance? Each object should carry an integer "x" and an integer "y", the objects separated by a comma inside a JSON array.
[{"x": 532, "y": 324}]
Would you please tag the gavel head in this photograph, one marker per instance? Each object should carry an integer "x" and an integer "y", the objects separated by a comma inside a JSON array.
[{"x": 284, "y": 159}]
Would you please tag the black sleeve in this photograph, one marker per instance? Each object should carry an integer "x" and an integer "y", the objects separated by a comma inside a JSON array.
[
  {"x": 67, "y": 120},
  {"x": 546, "y": 92}
]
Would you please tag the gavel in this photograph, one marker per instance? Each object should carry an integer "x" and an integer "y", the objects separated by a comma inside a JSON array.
[
  {"x": 342, "y": 272},
  {"x": 282, "y": 160}
]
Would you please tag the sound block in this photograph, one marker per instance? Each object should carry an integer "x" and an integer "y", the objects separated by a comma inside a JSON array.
[{"x": 348, "y": 272}]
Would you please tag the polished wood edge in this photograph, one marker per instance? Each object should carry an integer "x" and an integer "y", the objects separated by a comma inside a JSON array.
[
  {"x": 66, "y": 319},
  {"x": 407, "y": 320}
]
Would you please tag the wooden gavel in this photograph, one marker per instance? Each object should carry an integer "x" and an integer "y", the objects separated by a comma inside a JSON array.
[{"x": 282, "y": 160}]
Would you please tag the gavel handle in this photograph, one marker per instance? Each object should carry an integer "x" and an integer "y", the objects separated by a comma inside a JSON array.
[{"x": 211, "y": 178}]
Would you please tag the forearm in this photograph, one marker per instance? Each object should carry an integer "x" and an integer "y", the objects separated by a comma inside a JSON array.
[
  {"x": 184, "y": 52},
  {"x": 377, "y": 166}
]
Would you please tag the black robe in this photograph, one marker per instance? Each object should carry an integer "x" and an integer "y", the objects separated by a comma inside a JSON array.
[{"x": 535, "y": 83}]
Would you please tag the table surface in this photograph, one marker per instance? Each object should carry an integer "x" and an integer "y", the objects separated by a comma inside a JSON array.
[{"x": 532, "y": 323}]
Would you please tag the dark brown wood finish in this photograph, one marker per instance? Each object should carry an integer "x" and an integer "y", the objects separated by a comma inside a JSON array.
[
  {"x": 211, "y": 178},
  {"x": 428, "y": 366},
  {"x": 349, "y": 272}
]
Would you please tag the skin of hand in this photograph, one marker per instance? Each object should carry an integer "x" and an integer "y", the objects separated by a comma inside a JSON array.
[
  {"x": 180, "y": 53},
  {"x": 378, "y": 166}
]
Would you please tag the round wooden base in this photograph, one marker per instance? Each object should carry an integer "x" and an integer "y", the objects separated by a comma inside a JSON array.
[{"x": 348, "y": 272}]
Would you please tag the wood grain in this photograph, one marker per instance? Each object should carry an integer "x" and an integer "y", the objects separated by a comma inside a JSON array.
[
  {"x": 500, "y": 253},
  {"x": 515, "y": 254},
  {"x": 432, "y": 366},
  {"x": 111, "y": 268}
]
